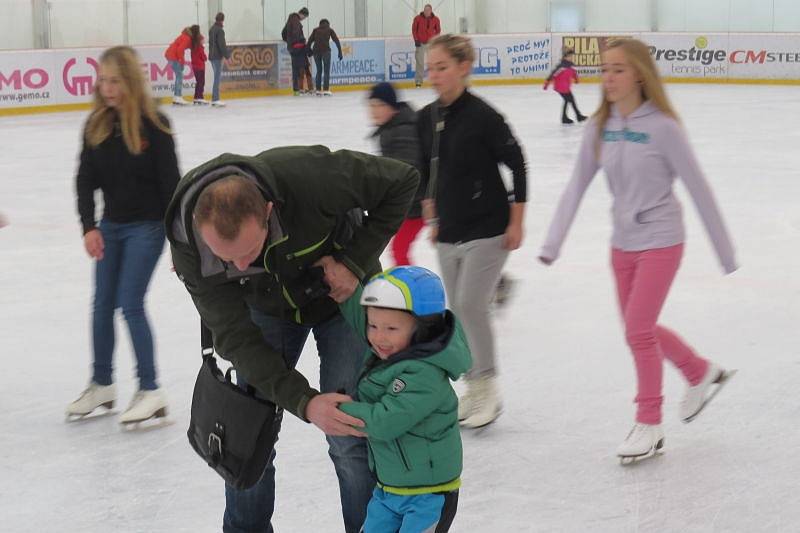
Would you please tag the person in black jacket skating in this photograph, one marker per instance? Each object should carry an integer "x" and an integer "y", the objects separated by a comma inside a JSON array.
[
  {"x": 128, "y": 153},
  {"x": 473, "y": 223},
  {"x": 397, "y": 136}
]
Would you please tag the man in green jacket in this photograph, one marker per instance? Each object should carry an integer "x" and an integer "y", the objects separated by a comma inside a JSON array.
[
  {"x": 405, "y": 399},
  {"x": 266, "y": 246}
]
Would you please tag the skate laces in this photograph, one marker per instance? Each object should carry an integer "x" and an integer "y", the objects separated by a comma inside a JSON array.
[{"x": 636, "y": 430}]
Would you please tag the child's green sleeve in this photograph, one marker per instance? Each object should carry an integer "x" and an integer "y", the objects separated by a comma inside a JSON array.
[{"x": 354, "y": 313}]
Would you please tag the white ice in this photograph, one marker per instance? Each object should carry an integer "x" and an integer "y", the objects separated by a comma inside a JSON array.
[{"x": 567, "y": 377}]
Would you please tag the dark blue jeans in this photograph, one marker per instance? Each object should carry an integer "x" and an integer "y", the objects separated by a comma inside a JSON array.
[
  {"x": 323, "y": 63},
  {"x": 121, "y": 278},
  {"x": 341, "y": 354},
  {"x": 298, "y": 67}
]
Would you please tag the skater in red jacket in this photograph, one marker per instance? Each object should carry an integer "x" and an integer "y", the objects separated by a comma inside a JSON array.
[
  {"x": 562, "y": 77},
  {"x": 175, "y": 55}
]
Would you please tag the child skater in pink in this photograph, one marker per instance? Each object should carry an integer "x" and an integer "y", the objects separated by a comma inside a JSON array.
[
  {"x": 199, "y": 59},
  {"x": 636, "y": 137},
  {"x": 562, "y": 77}
]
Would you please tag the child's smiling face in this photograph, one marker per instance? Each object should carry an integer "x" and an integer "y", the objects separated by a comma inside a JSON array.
[{"x": 389, "y": 331}]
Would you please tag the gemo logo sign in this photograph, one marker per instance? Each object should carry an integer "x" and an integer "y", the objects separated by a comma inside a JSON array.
[
  {"x": 699, "y": 59},
  {"x": 34, "y": 78},
  {"x": 82, "y": 83}
]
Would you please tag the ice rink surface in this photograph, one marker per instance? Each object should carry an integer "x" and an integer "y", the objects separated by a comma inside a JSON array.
[{"x": 567, "y": 377}]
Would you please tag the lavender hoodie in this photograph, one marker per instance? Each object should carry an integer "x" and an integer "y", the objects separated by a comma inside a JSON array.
[{"x": 641, "y": 155}]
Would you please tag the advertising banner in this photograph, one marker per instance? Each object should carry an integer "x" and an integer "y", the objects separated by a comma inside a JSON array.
[
  {"x": 364, "y": 62},
  {"x": 503, "y": 56},
  {"x": 587, "y": 50},
  {"x": 688, "y": 55},
  {"x": 253, "y": 67},
  {"x": 26, "y": 79},
  {"x": 757, "y": 57}
]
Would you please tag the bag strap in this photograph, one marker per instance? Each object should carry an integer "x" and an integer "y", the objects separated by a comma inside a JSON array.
[
  {"x": 438, "y": 126},
  {"x": 206, "y": 341}
]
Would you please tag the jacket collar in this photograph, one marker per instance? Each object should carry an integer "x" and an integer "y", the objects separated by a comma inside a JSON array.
[{"x": 647, "y": 108}]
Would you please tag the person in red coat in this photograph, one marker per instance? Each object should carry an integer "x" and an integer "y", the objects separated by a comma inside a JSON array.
[
  {"x": 199, "y": 59},
  {"x": 425, "y": 27},
  {"x": 175, "y": 55},
  {"x": 562, "y": 77}
]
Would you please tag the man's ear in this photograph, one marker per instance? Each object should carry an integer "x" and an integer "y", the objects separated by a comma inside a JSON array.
[{"x": 269, "y": 209}]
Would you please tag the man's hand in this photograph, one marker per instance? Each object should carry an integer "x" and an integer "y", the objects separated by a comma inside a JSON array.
[
  {"x": 342, "y": 282},
  {"x": 323, "y": 411},
  {"x": 93, "y": 242}
]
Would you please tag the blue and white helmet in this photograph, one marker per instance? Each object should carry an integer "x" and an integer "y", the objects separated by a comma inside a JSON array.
[{"x": 408, "y": 288}]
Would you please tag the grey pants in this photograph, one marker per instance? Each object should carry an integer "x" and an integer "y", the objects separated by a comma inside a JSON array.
[
  {"x": 419, "y": 73},
  {"x": 470, "y": 272}
]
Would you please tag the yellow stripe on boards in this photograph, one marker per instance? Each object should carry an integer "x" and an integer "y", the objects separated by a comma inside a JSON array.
[{"x": 61, "y": 108}]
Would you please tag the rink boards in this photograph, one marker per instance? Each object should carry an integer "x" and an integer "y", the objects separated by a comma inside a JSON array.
[{"x": 34, "y": 81}]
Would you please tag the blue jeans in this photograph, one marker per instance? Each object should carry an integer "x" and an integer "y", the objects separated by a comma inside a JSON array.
[
  {"x": 177, "y": 68},
  {"x": 323, "y": 63},
  {"x": 216, "y": 64},
  {"x": 121, "y": 278},
  {"x": 341, "y": 355}
]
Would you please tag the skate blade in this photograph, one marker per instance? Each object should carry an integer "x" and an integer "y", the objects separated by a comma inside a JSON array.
[
  {"x": 724, "y": 377},
  {"x": 159, "y": 416},
  {"x": 482, "y": 426},
  {"x": 76, "y": 417},
  {"x": 627, "y": 460}
]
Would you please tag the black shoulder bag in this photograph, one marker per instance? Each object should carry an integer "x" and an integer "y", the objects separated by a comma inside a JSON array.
[{"x": 230, "y": 428}]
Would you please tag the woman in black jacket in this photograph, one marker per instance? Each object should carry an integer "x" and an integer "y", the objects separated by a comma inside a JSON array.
[
  {"x": 319, "y": 45},
  {"x": 292, "y": 35},
  {"x": 128, "y": 153},
  {"x": 472, "y": 221}
]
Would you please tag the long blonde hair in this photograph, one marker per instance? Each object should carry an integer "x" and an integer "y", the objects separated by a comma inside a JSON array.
[
  {"x": 135, "y": 104},
  {"x": 638, "y": 55}
]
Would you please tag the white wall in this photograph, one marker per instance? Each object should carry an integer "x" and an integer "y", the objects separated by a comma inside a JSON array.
[
  {"x": 787, "y": 15},
  {"x": 618, "y": 15},
  {"x": 173, "y": 16},
  {"x": 17, "y": 25},
  {"x": 85, "y": 23},
  {"x": 101, "y": 22}
]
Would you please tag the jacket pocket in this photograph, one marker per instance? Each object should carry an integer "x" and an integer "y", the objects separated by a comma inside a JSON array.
[{"x": 403, "y": 456}]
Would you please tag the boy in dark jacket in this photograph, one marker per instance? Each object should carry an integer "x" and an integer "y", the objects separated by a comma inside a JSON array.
[
  {"x": 397, "y": 135},
  {"x": 406, "y": 401},
  {"x": 319, "y": 45}
]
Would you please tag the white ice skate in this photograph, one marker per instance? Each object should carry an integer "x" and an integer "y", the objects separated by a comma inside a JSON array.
[
  {"x": 146, "y": 404},
  {"x": 177, "y": 100},
  {"x": 218, "y": 103},
  {"x": 93, "y": 397},
  {"x": 486, "y": 405},
  {"x": 327, "y": 93},
  {"x": 465, "y": 402},
  {"x": 199, "y": 101},
  {"x": 644, "y": 440},
  {"x": 697, "y": 397}
]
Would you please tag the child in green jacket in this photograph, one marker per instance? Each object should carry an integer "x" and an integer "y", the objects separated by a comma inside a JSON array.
[{"x": 406, "y": 400}]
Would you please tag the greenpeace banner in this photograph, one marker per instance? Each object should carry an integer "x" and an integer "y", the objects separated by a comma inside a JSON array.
[{"x": 363, "y": 63}]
